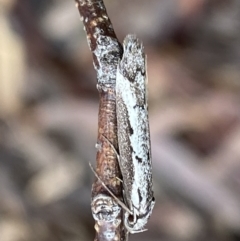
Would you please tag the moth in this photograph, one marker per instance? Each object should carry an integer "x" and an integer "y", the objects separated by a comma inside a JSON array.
[{"x": 133, "y": 135}]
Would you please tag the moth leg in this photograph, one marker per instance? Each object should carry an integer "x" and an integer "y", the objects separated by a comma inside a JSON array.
[{"x": 110, "y": 192}]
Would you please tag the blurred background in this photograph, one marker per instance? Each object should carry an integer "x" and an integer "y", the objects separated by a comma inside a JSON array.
[{"x": 49, "y": 108}]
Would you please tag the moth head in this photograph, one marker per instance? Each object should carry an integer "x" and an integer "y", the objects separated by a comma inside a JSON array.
[{"x": 136, "y": 222}]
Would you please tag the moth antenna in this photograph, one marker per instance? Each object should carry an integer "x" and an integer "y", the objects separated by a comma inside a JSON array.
[
  {"x": 111, "y": 193},
  {"x": 120, "y": 180}
]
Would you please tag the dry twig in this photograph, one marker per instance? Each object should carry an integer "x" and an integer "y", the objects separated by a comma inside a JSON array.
[{"x": 106, "y": 52}]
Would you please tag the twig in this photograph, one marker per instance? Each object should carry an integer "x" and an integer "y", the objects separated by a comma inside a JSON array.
[{"x": 106, "y": 52}]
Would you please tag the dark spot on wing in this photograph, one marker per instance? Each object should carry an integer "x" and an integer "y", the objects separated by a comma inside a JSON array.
[
  {"x": 131, "y": 130},
  {"x": 131, "y": 149},
  {"x": 140, "y": 106},
  {"x": 140, "y": 196},
  {"x": 148, "y": 155},
  {"x": 139, "y": 159},
  {"x": 131, "y": 78}
]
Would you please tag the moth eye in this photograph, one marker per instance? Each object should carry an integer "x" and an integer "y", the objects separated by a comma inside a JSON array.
[{"x": 131, "y": 218}]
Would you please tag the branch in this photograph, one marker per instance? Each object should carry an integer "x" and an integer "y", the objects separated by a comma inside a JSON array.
[{"x": 106, "y": 51}]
